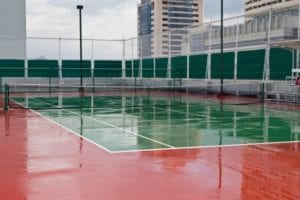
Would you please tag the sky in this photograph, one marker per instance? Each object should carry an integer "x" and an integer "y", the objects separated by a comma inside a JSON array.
[
  {"x": 101, "y": 18},
  {"x": 104, "y": 19}
]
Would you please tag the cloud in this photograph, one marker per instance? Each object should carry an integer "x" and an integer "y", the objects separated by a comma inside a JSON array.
[
  {"x": 93, "y": 7},
  {"x": 100, "y": 18}
]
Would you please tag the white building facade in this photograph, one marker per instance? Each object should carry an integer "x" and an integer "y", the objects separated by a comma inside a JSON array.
[
  {"x": 251, "y": 30},
  {"x": 255, "y": 7}
]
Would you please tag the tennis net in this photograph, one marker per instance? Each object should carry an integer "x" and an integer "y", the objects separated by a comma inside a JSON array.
[{"x": 32, "y": 96}]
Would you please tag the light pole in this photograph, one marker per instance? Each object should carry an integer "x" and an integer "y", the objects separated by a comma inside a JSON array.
[
  {"x": 222, "y": 50},
  {"x": 80, "y": 7}
]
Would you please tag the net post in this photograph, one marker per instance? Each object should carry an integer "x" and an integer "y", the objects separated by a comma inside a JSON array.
[
  {"x": 6, "y": 97},
  {"x": 174, "y": 81},
  {"x": 1, "y": 85},
  {"x": 148, "y": 92},
  {"x": 93, "y": 79},
  {"x": 50, "y": 78},
  {"x": 262, "y": 92}
]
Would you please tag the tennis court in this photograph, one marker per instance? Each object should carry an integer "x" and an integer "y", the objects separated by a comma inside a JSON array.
[
  {"x": 166, "y": 144},
  {"x": 132, "y": 123}
]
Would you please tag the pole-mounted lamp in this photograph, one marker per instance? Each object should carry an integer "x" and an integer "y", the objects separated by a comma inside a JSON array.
[
  {"x": 222, "y": 51},
  {"x": 80, "y": 7}
]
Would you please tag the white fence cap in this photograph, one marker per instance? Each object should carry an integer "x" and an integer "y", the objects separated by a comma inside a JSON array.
[{"x": 296, "y": 70}]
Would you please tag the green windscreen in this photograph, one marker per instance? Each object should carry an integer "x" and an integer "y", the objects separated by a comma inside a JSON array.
[
  {"x": 179, "y": 67},
  {"x": 251, "y": 64},
  {"x": 108, "y": 69},
  {"x": 132, "y": 68},
  {"x": 72, "y": 69},
  {"x": 148, "y": 68},
  {"x": 198, "y": 66},
  {"x": 281, "y": 63},
  {"x": 12, "y": 68},
  {"x": 161, "y": 67},
  {"x": 43, "y": 68},
  {"x": 228, "y": 65},
  {"x": 136, "y": 66},
  {"x": 128, "y": 68}
]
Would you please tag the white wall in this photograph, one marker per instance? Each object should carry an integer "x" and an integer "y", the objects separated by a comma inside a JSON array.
[{"x": 12, "y": 29}]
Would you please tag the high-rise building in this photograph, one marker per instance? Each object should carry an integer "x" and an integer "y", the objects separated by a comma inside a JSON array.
[
  {"x": 254, "y": 7},
  {"x": 162, "y": 25},
  {"x": 13, "y": 29}
]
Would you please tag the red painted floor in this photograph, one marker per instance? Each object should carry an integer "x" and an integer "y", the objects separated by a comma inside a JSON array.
[{"x": 39, "y": 160}]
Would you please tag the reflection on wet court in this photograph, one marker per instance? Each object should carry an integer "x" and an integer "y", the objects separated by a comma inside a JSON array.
[{"x": 130, "y": 123}]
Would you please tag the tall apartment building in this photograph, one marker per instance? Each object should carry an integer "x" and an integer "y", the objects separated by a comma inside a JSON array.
[
  {"x": 159, "y": 24},
  {"x": 255, "y": 7}
]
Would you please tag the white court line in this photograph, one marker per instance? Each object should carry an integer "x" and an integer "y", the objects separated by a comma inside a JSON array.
[
  {"x": 112, "y": 126},
  {"x": 207, "y": 147},
  {"x": 124, "y": 130},
  {"x": 60, "y": 125}
]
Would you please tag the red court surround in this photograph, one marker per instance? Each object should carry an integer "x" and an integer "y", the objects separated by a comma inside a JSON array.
[{"x": 39, "y": 160}]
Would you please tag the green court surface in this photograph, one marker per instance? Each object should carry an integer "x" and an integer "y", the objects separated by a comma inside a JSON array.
[{"x": 128, "y": 123}]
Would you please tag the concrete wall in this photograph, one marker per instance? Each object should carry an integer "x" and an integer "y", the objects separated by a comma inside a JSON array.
[{"x": 12, "y": 29}]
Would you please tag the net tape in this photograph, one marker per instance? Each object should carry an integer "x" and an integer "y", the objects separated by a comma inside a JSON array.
[{"x": 32, "y": 96}]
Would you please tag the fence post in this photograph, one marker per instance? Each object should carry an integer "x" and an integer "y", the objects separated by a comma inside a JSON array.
[
  {"x": 59, "y": 59},
  {"x": 132, "y": 62},
  {"x": 236, "y": 50},
  {"x": 188, "y": 55},
  {"x": 123, "y": 59},
  {"x": 26, "y": 60},
  {"x": 154, "y": 60},
  {"x": 140, "y": 75},
  {"x": 169, "y": 68},
  {"x": 92, "y": 63},
  {"x": 208, "y": 62},
  {"x": 267, "y": 61}
]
